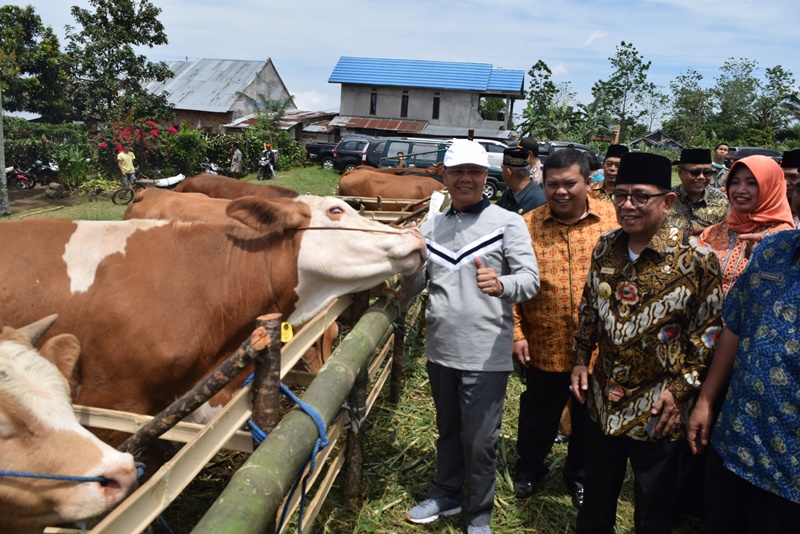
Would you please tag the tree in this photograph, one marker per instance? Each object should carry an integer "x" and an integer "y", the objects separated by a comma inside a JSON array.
[
  {"x": 735, "y": 92},
  {"x": 769, "y": 106},
  {"x": 490, "y": 108},
  {"x": 624, "y": 93},
  {"x": 691, "y": 107},
  {"x": 106, "y": 68},
  {"x": 33, "y": 70},
  {"x": 655, "y": 105}
]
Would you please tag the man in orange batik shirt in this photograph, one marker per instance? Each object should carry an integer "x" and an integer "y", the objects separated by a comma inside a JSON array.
[{"x": 563, "y": 232}]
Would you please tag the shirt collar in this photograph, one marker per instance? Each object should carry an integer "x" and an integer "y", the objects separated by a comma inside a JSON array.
[
  {"x": 590, "y": 210},
  {"x": 666, "y": 237},
  {"x": 684, "y": 196},
  {"x": 475, "y": 208}
]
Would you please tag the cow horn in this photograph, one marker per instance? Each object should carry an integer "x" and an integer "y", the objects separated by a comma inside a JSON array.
[{"x": 34, "y": 331}]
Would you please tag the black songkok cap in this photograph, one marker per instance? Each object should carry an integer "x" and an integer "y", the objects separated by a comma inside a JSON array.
[
  {"x": 644, "y": 168},
  {"x": 791, "y": 159},
  {"x": 531, "y": 144},
  {"x": 516, "y": 157},
  {"x": 616, "y": 151},
  {"x": 694, "y": 155}
]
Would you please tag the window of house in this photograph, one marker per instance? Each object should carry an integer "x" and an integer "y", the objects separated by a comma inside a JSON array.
[
  {"x": 404, "y": 104},
  {"x": 373, "y": 102},
  {"x": 435, "y": 105}
]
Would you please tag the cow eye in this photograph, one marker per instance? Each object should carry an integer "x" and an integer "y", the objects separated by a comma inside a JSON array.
[{"x": 336, "y": 211}]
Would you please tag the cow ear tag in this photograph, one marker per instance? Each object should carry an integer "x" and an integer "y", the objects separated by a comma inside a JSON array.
[{"x": 286, "y": 332}]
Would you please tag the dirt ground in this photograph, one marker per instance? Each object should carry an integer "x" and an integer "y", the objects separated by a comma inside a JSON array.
[{"x": 28, "y": 199}]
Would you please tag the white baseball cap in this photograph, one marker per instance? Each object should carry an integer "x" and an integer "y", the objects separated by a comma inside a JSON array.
[{"x": 466, "y": 152}]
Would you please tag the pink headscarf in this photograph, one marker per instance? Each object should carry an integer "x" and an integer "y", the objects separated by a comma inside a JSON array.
[{"x": 773, "y": 207}]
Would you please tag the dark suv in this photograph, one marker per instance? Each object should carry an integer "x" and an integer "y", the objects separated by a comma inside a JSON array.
[
  {"x": 735, "y": 154},
  {"x": 548, "y": 148},
  {"x": 351, "y": 152}
]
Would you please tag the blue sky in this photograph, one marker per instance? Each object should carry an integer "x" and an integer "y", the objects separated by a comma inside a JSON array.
[{"x": 574, "y": 37}]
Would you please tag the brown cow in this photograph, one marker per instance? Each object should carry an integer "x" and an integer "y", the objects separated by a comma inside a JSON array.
[
  {"x": 368, "y": 182},
  {"x": 39, "y": 434},
  {"x": 158, "y": 304},
  {"x": 217, "y": 186},
  {"x": 153, "y": 203}
]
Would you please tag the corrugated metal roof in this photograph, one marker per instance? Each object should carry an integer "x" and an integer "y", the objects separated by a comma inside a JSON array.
[
  {"x": 393, "y": 125},
  {"x": 207, "y": 84},
  {"x": 424, "y": 73}
]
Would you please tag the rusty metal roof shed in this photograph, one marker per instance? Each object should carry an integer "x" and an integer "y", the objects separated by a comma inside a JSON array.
[{"x": 207, "y": 84}]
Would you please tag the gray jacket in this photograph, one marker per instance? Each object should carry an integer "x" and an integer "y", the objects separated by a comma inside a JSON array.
[{"x": 467, "y": 329}]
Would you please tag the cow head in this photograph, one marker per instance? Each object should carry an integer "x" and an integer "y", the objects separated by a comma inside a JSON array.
[
  {"x": 39, "y": 434},
  {"x": 339, "y": 251}
]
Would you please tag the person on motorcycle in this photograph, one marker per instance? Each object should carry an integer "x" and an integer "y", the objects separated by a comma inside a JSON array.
[
  {"x": 270, "y": 155},
  {"x": 125, "y": 161}
]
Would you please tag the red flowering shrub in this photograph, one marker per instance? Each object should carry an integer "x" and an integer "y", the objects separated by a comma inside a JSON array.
[{"x": 150, "y": 144}]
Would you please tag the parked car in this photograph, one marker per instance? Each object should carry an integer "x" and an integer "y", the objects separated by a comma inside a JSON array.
[
  {"x": 735, "y": 154},
  {"x": 550, "y": 147},
  {"x": 494, "y": 149},
  {"x": 350, "y": 152},
  {"x": 421, "y": 153},
  {"x": 322, "y": 153}
]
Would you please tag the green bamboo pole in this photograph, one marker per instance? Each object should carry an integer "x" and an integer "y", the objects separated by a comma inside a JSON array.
[{"x": 252, "y": 497}]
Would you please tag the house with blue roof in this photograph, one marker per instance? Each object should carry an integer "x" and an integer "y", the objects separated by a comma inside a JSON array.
[{"x": 382, "y": 96}]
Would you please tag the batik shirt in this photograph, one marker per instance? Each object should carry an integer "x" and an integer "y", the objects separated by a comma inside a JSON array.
[
  {"x": 597, "y": 190},
  {"x": 563, "y": 251},
  {"x": 730, "y": 250},
  {"x": 693, "y": 217},
  {"x": 656, "y": 321},
  {"x": 758, "y": 431}
]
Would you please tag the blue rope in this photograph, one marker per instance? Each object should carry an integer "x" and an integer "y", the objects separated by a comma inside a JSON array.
[
  {"x": 68, "y": 478},
  {"x": 322, "y": 441}
]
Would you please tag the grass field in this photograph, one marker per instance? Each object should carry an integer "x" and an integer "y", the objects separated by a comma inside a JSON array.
[{"x": 400, "y": 443}]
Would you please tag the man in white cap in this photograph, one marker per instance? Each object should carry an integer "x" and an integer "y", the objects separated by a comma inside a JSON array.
[{"x": 480, "y": 263}]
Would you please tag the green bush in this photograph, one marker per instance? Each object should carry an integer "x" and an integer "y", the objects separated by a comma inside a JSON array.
[{"x": 74, "y": 165}]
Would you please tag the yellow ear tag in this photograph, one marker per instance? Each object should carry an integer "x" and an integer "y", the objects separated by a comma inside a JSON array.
[{"x": 286, "y": 332}]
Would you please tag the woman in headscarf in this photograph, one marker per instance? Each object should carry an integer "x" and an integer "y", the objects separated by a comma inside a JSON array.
[{"x": 756, "y": 190}]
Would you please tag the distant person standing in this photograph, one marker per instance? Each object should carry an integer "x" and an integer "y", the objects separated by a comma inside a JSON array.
[
  {"x": 718, "y": 164},
  {"x": 125, "y": 161},
  {"x": 522, "y": 195},
  {"x": 401, "y": 161},
  {"x": 698, "y": 206},
  {"x": 532, "y": 145},
  {"x": 236, "y": 159},
  {"x": 790, "y": 163},
  {"x": 602, "y": 190}
]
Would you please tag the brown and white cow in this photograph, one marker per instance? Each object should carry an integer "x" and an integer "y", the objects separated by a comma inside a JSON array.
[
  {"x": 216, "y": 186},
  {"x": 154, "y": 203},
  {"x": 158, "y": 304},
  {"x": 368, "y": 182},
  {"x": 39, "y": 434}
]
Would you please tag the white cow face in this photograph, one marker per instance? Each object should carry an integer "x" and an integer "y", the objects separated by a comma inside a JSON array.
[
  {"x": 350, "y": 253},
  {"x": 39, "y": 434}
]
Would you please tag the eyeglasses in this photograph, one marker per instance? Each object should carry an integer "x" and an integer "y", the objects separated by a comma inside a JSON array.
[
  {"x": 470, "y": 173},
  {"x": 639, "y": 200},
  {"x": 694, "y": 173}
]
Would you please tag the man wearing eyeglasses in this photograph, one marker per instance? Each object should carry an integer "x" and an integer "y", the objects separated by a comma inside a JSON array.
[
  {"x": 651, "y": 305},
  {"x": 698, "y": 206},
  {"x": 480, "y": 262}
]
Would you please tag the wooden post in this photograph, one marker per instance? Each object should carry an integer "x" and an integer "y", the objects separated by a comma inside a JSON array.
[
  {"x": 355, "y": 441},
  {"x": 267, "y": 376},
  {"x": 398, "y": 356}
]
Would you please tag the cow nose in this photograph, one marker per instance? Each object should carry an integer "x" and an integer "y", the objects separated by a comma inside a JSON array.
[{"x": 121, "y": 480}]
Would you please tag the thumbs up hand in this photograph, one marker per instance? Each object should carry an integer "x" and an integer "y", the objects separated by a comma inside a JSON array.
[{"x": 487, "y": 280}]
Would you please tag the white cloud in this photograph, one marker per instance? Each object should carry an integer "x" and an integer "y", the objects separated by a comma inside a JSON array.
[
  {"x": 596, "y": 36},
  {"x": 317, "y": 101},
  {"x": 559, "y": 69}
]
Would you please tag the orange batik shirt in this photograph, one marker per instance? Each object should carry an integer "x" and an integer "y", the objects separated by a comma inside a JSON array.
[{"x": 564, "y": 253}]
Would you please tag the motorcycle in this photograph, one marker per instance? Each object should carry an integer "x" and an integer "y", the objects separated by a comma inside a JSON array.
[
  {"x": 16, "y": 179},
  {"x": 43, "y": 173},
  {"x": 209, "y": 167},
  {"x": 263, "y": 168}
]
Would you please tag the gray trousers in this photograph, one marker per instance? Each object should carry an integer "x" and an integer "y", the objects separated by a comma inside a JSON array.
[{"x": 469, "y": 410}]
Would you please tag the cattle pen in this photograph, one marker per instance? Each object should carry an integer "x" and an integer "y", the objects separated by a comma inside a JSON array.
[{"x": 342, "y": 393}]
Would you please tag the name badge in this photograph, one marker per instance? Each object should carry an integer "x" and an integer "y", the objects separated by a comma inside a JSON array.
[
  {"x": 607, "y": 270},
  {"x": 772, "y": 277}
]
